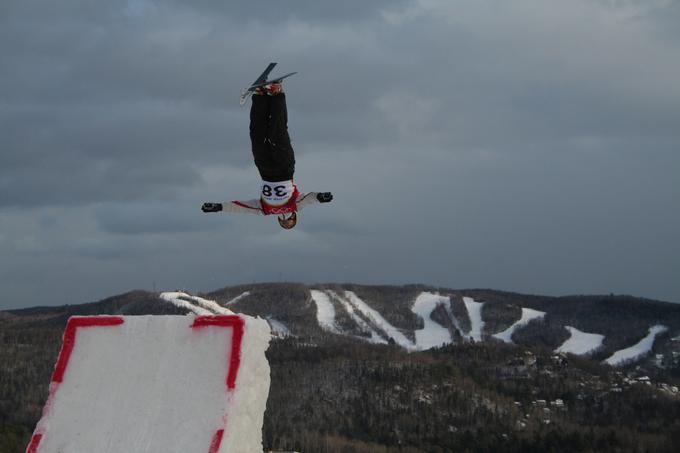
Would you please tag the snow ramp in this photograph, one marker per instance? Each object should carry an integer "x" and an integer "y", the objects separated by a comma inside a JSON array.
[{"x": 150, "y": 384}]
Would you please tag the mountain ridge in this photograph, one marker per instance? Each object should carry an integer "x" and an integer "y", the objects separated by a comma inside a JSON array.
[{"x": 621, "y": 320}]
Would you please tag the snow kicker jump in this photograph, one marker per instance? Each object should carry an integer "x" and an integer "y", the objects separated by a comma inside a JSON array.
[
  {"x": 149, "y": 384},
  {"x": 274, "y": 157}
]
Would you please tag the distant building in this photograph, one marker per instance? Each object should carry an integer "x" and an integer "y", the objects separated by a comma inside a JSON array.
[{"x": 558, "y": 403}]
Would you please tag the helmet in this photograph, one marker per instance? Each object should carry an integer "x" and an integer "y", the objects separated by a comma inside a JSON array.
[{"x": 287, "y": 221}]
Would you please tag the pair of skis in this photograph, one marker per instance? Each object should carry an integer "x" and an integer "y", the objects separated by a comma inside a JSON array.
[{"x": 262, "y": 81}]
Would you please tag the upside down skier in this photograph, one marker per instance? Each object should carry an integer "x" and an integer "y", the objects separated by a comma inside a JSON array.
[{"x": 275, "y": 160}]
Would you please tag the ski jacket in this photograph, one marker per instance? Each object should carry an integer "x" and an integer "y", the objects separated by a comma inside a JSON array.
[{"x": 258, "y": 206}]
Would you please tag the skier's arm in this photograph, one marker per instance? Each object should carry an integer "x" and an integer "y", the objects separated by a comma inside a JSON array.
[
  {"x": 248, "y": 207},
  {"x": 313, "y": 197}
]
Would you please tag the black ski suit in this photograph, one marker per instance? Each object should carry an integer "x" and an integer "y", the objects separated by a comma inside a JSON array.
[{"x": 272, "y": 151}]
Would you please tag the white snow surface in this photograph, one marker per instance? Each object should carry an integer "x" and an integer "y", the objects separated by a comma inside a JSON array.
[
  {"x": 581, "y": 343},
  {"x": 528, "y": 315},
  {"x": 474, "y": 310},
  {"x": 432, "y": 334},
  {"x": 380, "y": 322},
  {"x": 641, "y": 348},
  {"x": 325, "y": 312},
  {"x": 154, "y": 384},
  {"x": 196, "y": 305},
  {"x": 174, "y": 298}
]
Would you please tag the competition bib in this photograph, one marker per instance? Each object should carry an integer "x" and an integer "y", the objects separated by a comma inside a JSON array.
[{"x": 277, "y": 193}]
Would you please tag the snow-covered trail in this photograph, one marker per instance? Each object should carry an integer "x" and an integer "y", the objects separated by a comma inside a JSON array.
[
  {"x": 325, "y": 312},
  {"x": 474, "y": 310},
  {"x": 528, "y": 315},
  {"x": 202, "y": 307},
  {"x": 237, "y": 298},
  {"x": 380, "y": 322},
  {"x": 278, "y": 328},
  {"x": 196, "y": 305},
  {"x": 642, "y": 347},
  {"x": 363, "y": 325},
  {"x": 432, "y": 334},
  {"x": 581, "y": 343}
]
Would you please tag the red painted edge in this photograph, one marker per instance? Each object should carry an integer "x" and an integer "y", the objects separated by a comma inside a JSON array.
[
  {"x": 35, "y": 441},
  {"x": 68, "y": 344},
  {"x": 70, "y": 339},
  {"x": 216, "y": 441},
  {"x": 235, "y": 322},
  {"x": 238, "y": 324}
]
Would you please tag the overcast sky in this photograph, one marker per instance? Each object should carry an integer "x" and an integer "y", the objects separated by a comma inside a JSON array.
[{"x": 524, "y": 145}]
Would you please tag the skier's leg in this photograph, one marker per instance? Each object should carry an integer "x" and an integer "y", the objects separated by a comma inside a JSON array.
[
  {"x": 277, "y": 133},
  {"x": 259, "y": 118},
  {"x": 259, "y": 121}
]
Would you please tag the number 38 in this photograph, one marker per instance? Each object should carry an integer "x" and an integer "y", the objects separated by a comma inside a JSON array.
[{"x": 279, "y": 191}]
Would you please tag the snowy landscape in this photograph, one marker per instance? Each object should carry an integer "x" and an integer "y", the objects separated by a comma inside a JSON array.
[
  {"x": 433, "y": 334},
  {"x": 353, "y": 349},
  {"x": 640, "y": 349}
]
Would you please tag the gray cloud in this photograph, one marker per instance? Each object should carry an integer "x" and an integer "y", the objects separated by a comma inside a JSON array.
[{"x": 527, "y": 146}]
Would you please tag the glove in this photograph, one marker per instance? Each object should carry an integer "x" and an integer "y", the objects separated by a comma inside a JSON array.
[
  {"x": 211, "y": 207},
  {"x": 324, "y": 197}
]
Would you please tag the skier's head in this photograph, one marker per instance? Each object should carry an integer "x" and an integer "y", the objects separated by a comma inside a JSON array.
[{"x": 287, "y": 221}]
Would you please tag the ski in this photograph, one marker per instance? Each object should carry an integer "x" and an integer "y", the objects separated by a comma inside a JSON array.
[
  {"x": 267, "y": 82},
  {"x": 262, "y": 81},
  {"x": 248, "y": 91}
]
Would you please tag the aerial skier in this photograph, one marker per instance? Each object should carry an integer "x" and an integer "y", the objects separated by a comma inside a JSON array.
[{"x": 274, "y": 158}]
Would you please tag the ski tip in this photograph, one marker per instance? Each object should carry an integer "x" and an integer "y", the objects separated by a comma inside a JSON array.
[{"x": 243, "y": 98}]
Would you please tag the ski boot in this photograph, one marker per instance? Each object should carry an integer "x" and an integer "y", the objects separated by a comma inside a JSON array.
[{"x": 270, "y": 89}]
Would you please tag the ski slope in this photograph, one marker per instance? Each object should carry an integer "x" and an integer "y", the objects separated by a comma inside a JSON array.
[
  {"x": 641, "y": 348},
  {"x": 196, "y": 305},
  {"x": 474, "y": 310},
  {"x": 371, "y": 322},
  {"x": 378, "y": 320},
  {"x": 528, "y": 315},
  {"x": 325, "y": 312},
  {"x": 176, "y": 299},
  {"x": 432, "y": 334},
  {"x": 375, "y": 337},
  {"x": 149, "y": 384},
  {"x": 581, "y": 343}
]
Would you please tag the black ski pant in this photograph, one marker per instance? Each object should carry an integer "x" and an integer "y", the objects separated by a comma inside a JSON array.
[{"x": 272, "y": 151}]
